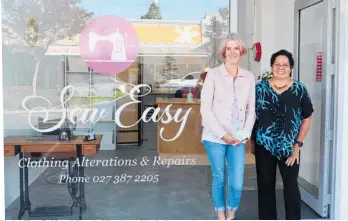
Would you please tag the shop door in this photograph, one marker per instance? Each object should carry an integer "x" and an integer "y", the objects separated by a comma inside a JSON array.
[{"x": 314, "y": 31}]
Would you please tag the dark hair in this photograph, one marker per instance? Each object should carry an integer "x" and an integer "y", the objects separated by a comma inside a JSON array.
[{"x": 283, "y": 52}]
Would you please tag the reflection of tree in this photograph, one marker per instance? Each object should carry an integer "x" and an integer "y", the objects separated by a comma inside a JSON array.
[
  {"x": 36, "y": 24},
  {"x": 153, "y": 13},
  {"x": 217, "y": 27},
  {"x": 170, "y": 71}
]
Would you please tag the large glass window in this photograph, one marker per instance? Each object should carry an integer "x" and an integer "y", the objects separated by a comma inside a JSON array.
[{"x": 178, "y": 43}]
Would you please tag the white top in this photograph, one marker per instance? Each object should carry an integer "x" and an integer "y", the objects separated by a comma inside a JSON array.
[
  {"x": 227, "y": 104},
  {"x": 233, "y": 126}
]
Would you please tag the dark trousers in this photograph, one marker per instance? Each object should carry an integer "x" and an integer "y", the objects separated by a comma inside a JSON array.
[{"x": 266, "y": 166}]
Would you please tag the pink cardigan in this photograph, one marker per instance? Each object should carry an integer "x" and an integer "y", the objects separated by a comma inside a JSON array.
[{"x": 216, "y": 102}]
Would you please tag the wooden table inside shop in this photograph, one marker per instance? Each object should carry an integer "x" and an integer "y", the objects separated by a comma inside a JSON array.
[
  {"x": 188, "y": 144},
  {"x": 38, "y": 147}
]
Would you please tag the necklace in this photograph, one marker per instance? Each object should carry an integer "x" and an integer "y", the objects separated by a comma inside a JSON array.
[{"x": 282, "y": 87}]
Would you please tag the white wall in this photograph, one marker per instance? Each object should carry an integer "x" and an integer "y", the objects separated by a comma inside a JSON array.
[
  {"x": 284, "y": 25},
  {"x": 245, "y": 26},
  {"x": 270, "y": 22},
  {"x": 233, "y": 15}
]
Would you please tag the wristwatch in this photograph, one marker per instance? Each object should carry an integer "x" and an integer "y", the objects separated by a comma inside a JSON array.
[{"x": 300, "y": 144}]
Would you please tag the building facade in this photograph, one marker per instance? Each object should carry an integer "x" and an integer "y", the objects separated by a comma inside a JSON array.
[{"x": 173, "y": 52}]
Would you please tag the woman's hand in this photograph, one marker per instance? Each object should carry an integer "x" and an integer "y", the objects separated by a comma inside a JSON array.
[
  {"x": 229, "y": 139},
  {"x": 236, "y": 142},
  {"x": 295, "y": 156}
]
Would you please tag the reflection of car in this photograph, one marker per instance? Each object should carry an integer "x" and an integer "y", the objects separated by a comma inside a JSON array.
[
  {"x": 101, "y": 87},
  {"x": 189, "y": 80}
]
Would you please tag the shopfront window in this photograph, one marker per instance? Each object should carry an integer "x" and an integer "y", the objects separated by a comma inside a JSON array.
[
  {"x": 42, "y": 57},
  {"x": 178, "y": 42}
]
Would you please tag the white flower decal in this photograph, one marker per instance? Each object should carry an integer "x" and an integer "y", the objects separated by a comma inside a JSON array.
[{"x": 186, "y": 35}]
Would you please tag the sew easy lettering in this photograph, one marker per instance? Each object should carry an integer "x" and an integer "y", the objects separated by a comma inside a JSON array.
[{"x": 77, "y": 115}]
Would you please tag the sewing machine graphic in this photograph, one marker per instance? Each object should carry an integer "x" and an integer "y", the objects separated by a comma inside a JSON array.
[{"x": 117, "y": 40}]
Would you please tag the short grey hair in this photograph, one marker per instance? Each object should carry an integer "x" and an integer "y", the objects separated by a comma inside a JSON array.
[{"x": 232, "y": 37}]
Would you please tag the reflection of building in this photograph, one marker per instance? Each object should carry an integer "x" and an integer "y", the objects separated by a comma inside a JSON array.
[
  {"x": 157, "y": 37},
  {"x": 177, "y": 40},
  {"x": 159, "y": 41},
  {"x": 182, "y": 41}
]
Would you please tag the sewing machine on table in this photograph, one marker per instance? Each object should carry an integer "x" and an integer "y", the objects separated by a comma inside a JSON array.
[{"x": 52, "y": 146}]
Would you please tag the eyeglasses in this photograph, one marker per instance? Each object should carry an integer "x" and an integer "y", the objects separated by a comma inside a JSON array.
[{"x": 285, "y": 66}]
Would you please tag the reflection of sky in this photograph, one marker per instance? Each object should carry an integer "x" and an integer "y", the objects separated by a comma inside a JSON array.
[{"x": 170, "y": 9}]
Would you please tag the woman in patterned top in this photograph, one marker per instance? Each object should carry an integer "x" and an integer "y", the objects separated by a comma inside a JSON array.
[
  {"x": 228, "y": 117},
  {"x": 283, "y": 117}
]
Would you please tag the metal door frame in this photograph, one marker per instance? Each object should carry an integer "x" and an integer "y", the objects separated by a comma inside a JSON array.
[
  {"x": 321, "y": 204},
  {"x": 339, "y": 160}
]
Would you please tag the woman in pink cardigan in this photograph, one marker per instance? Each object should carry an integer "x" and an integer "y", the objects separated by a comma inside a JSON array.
[{"x": 228, "y": 116}]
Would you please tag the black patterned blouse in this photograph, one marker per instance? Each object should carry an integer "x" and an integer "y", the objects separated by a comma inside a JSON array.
[{"x": 279, "y": 116}]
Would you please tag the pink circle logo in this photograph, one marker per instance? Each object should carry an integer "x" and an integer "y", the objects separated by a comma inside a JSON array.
[{"x": 109, "y": 44}]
